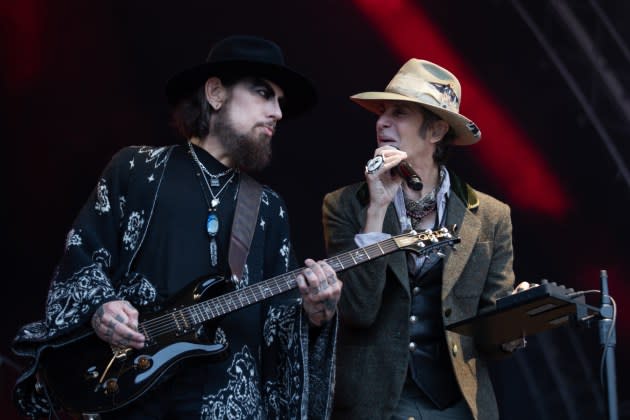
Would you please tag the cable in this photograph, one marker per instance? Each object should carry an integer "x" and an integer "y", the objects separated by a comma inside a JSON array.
[{"x": 610, "y": 331}]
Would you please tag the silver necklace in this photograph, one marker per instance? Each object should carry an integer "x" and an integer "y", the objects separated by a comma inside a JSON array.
[
  {"x": 214, "y": 178},
  {"x": 212, "y": 221}
]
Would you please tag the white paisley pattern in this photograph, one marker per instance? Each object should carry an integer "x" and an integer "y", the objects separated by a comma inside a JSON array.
[
  {"x": 285, "y": 251},
  {"x": 285, "y": 391},
  {"x": 137, "y": 289},
  {"x": 123, "y": 206},
  {"x": 102, "y": 204},
  {"x": 279, "y": 325},
  {"x": 131, "y": 237},
  {"x": 70, "y": 301},
  {"x": 73, "y": 239},
  {"x": 243, "y": 281},
  {"x": 220, "y": 337},
  {"x": 240, "y": 399},
  {"x": 155, "y": 154}
]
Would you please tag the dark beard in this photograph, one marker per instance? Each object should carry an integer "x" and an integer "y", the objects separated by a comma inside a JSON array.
[{"x": 249, "y": 152}]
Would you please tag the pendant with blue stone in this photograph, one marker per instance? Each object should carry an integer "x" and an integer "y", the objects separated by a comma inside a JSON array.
[{"x": 212, "y": 226}]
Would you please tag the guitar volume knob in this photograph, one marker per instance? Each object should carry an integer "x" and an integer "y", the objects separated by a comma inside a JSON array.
[
  {"x": 144, "y": 362},
  {"x": 111, "y": 386}
]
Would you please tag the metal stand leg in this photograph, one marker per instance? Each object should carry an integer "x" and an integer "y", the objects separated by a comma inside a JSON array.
[{"x": 608, "y": 340}]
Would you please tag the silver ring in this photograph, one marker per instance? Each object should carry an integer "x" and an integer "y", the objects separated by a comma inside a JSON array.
[{"x": 374, "y": 164}]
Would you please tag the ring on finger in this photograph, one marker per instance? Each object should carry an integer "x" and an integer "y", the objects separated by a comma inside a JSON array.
[{"x": 374, "y": 164}]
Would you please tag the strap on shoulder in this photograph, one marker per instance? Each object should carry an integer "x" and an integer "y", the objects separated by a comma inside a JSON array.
[{"x": 244, "y": 225}]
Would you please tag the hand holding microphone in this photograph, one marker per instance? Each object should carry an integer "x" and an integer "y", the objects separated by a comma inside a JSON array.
[{"x": 403, "y": 170}]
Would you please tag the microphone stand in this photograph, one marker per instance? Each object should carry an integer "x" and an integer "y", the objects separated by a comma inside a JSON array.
[{"x": 608, "y": 340}]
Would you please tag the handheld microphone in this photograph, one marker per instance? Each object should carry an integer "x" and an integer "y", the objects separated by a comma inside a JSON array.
[{"x": 406, "y": 172}]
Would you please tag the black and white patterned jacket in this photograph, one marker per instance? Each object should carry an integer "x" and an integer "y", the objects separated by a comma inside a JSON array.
[{"x": 96, "y": 268}]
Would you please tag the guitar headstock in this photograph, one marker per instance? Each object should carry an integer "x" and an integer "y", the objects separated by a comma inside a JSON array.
[{"x": 428, "y": 240}]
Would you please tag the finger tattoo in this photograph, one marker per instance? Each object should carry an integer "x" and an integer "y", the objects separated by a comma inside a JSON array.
[{"x": 330, "y": 304}]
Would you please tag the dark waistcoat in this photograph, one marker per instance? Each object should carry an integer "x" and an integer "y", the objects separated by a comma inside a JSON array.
[{"x": 429, "y": 363}]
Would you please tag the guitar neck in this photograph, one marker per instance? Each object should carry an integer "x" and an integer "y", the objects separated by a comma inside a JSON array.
[
  {"x": 274, "y": 286},
  {"x": 201, "y": 312}
]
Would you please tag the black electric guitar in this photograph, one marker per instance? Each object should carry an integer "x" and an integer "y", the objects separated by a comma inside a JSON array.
[{"x": 90, "y": 376}]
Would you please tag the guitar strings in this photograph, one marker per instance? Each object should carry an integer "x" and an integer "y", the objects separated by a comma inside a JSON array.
[{"x": 168, "y": 323}]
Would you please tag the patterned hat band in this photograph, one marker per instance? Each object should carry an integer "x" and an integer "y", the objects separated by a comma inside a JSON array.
[
  {"x": 431, "y": 86},
  {"x": 430, "y": 93}
]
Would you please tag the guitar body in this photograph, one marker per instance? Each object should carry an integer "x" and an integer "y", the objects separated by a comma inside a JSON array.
[{"x": 88, "y": 375}]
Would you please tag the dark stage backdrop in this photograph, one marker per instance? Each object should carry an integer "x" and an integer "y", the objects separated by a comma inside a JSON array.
[{"x": 82, "y": 79}]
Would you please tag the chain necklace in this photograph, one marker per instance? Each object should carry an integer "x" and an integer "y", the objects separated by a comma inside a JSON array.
[
  {"x": 417, "y": 209},
  {"x": 212, "y": 221},
  {"x": 214, "y": 178}
]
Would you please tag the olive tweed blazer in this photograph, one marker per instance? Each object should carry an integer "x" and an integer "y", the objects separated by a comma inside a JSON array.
[{"x": 374, "y": 308}]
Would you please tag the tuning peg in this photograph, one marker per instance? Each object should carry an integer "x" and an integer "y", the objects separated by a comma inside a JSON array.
[{"x": 421, "y": 244}]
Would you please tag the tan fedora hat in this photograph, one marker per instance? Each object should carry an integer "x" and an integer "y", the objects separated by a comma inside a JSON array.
[{"x": 431, "y": 86}]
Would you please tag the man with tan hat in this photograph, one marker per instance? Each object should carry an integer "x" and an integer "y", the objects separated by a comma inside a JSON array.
[{"x": 395, "y": 359}]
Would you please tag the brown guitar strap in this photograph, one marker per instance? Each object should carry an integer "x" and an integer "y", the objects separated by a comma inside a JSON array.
[{"x": 244, "y": 225}]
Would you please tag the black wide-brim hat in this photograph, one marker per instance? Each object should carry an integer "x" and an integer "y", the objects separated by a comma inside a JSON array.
[{"x": 244, "y": 56}]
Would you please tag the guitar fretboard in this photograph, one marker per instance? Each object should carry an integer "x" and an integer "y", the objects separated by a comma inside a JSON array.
[{"x": 191, "y": 316}]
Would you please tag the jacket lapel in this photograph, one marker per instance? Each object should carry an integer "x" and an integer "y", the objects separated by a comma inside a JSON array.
[{"x": 468, "y": 227}]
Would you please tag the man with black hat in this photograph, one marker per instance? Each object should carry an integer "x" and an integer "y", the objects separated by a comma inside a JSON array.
[
  {"x": 395, "y": 358},
  {"x": 162, "y": 227}
]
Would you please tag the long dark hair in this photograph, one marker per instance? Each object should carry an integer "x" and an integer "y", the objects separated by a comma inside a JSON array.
[{"x": 190, "y": 117}]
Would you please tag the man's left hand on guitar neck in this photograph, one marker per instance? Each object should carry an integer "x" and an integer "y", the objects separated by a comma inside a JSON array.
[{"x": 320, "y": 289}]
